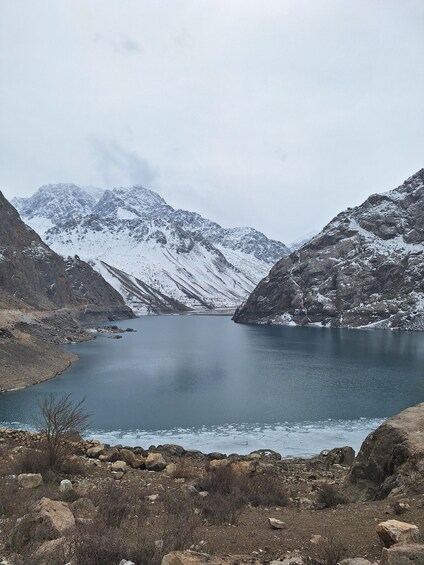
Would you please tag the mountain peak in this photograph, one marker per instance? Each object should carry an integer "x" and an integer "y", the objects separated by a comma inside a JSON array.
[{"x": 365, "y": 268}]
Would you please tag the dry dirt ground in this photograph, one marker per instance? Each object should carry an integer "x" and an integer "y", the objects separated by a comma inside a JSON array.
[{"x": 350, "y": 526}]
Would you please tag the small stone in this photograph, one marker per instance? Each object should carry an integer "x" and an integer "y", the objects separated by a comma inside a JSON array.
[
  {"x": 316, "y": 539},
  {"x": 401, "y": 507},
  {"x": 393, "y": 531},
  {"x": 117, "y": 475},
  {"x": 276, "y": 524},
  {"x": 204, "y": 493},
  {"x": 65, "y": 485},
  {"x": 153, "y": 497},
  {"x": 30, "y": 480},
  {"x": 125, "y": 562}
]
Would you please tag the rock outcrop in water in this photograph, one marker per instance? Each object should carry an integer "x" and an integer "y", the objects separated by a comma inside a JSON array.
[{"x": 365, "y": 268}]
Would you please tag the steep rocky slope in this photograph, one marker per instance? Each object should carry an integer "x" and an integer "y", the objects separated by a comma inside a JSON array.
[
  {"x": 160, "y": 259},
  {"x": 365, "y": 268},
  {"x": 41, "y": 297}
]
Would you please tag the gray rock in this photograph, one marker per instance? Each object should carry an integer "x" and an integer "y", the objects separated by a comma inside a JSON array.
[
  {"x": 30, "y": 480},
  {"x": 412, "y": 554},
  {"x": 276, "y": 524},
  {"x": 155, "y": 462},
  {"x": 393, "y": 531},
  {"x": 65, "y": 485},
  {"x": 47, "y": 520},
  {"x": 391, "y": 459}
]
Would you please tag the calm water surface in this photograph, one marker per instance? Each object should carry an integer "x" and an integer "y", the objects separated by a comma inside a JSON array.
[{"x": 207, "y": 383}]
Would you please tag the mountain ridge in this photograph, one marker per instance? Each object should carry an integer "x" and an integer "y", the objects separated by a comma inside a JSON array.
[
  {"x": 364, "y": 269},
  {"x": 144, "y": 247}
]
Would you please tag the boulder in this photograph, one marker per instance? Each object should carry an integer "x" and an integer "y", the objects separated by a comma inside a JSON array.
[
  {"x": 393, "y": 531},
  {"x": 265, "y": 455},
  {"x": 83, "y": 510},
  {"x": 95, "y": 451},
  {"x": 391, "y": 459},
  {"x": 48, "y": 520},
  {"x": 127, "y": 456},
  {"x": 171, "y": 450},
  {"x": 344, "y": 456},
  {"x": 52, "y": 551},
  {"x": 119, "y": 466},
  {"x": 411, "y": 554},
  {"x": 30, "y": 480},
  {"x": 155, "y": 462}
]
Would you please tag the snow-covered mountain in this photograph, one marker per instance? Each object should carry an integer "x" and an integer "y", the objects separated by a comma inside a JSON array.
[
  {"x": 365, "y": 268},
  {"x": 160, "y": 259}
]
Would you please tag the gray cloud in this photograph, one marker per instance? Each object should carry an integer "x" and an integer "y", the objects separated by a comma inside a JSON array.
[
  {"x": 123, "y": 45},
  {"x": 119, "y": 166},
  {"x": 282, "y": 112}
]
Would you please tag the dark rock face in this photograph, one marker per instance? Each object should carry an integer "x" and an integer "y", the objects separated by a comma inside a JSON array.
[
  {"x": 31, "y": 274},
  {"x": 99, "y": 299},
  {"x": 29, "y": 270},
  {"x": 365, "y": 268},
  {"x": 391, "y": 459}
]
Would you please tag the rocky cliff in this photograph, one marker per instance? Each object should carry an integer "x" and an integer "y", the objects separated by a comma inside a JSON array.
[
  {"x": 35, "y": 276},
  {"x": 364, "y": 269}
]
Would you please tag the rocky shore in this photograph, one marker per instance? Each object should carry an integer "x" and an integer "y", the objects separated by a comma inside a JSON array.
[{"x": 164, "y": 504}]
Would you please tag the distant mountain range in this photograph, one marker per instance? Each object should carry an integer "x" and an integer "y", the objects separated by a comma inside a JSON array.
[
  {"x": 364, "y": 269},
  {"x": 160, "y": 259}
]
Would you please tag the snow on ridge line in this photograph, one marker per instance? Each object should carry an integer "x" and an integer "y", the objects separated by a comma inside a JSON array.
[{"x": 175, "y": 253}]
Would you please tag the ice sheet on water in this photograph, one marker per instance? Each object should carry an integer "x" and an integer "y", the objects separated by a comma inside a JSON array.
[{"x": 302, "y": 439}]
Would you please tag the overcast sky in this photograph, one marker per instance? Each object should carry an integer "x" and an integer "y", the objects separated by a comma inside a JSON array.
[{"x": 272, "y": 113}]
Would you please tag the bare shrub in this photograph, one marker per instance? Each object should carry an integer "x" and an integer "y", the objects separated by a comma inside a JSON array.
[
  {"x": 180, "y": 522},
  {"x": 58, "y": 419},
  {"x": 329, "y": 495},
  {"x": 223, "y": 509},
  {"x": 329, "y": 551},
  {"x": 266, "y": 490},
  {"x": 12, "y": 498},
  {"x": 32, "y": 461},
  {"x": 97, "y": 544},
  {"x": 182, "y": 470},
  {"x": 227, "y": 495},
  {"x": 113, "y": 503},
  {"x": 222, "y": 480}
]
